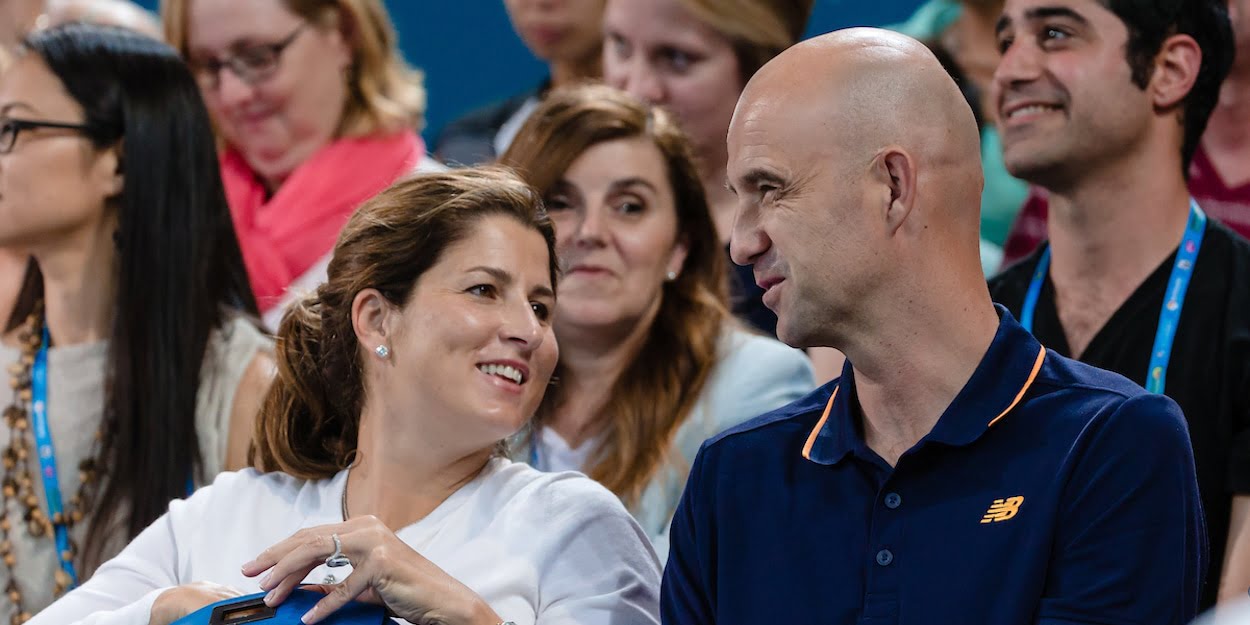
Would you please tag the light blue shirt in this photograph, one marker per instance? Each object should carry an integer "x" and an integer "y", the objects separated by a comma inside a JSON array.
[{"x": 753, "y": 375}]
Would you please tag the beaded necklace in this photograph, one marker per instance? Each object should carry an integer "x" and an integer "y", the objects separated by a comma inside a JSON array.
[{"x": 17, "y": 483}]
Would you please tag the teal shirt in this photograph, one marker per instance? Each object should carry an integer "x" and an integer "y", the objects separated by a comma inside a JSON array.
[{"x": 929, "y": 20}]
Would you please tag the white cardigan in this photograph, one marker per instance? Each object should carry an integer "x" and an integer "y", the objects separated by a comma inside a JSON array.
[{"x": 538, "y": 547}]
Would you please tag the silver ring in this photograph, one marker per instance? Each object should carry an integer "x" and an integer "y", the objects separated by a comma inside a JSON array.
[{"x": 337, "y": 559}]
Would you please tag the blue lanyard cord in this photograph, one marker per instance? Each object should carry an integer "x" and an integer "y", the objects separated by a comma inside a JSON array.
[
  {"x": 535, "y": 460},
  {"x": 1173, "y": 302},
  {"x": 1035, "y": 290},
  {"x": 47, "y": 460}
]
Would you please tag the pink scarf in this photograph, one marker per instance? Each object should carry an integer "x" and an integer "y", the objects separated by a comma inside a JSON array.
[{"x": 283, "y": 237}]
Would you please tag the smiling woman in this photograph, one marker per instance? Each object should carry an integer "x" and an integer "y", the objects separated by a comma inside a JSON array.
[{"x": 430, "y": 343}]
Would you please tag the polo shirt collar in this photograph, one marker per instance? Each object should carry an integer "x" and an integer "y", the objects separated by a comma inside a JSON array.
[{"x": 997, "y": 386}]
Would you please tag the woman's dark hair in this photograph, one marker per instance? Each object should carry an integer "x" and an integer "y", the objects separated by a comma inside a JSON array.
[
  {"x": 179, "y": 268},
  {"x": 309, "y": 422}
]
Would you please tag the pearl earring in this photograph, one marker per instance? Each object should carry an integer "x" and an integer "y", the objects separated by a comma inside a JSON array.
[
  {"x": 672, "y": 275},
  {"x": 382, "y": 351}
]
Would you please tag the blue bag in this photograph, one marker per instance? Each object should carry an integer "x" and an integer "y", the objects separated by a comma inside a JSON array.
[{"x": 252, "y": 609}]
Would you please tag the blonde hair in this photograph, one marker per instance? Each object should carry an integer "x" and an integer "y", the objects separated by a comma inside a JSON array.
[
  {"x": 758, "y": 29},
  {"x": 385, "y": 94}
]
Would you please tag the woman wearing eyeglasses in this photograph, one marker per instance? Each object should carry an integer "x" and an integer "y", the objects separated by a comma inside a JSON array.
[
  {"x": 317, "y": 112},
  {"x": 135, "y": 369}
]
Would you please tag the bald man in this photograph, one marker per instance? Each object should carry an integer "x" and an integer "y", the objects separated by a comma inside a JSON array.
[{"x": 957, "y": 471}]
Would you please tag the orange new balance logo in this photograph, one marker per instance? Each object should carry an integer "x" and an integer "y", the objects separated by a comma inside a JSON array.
[{"x": 1002, "y": 509}]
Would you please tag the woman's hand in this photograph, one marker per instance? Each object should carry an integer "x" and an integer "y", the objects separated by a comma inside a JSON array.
[
  {"x": 180, "y": 601},
  {"x": 384, "y": 570}
]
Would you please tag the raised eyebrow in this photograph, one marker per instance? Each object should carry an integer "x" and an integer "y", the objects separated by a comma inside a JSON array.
[
  {"x": 633, "y": 181},
  {"x": 1003, "y": 23},
  {"x": 247, "y": 41},
  {"x": 543, "y": 291},
  {"x": 494, "y": 272},
  {"x": 1041, "y": 13},
  {"x": 4, "y": 110},
  {"x": 505, "y": 278}
]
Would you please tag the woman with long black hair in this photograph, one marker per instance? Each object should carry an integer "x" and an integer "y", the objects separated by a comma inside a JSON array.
[{"x": 136, "y": 366}]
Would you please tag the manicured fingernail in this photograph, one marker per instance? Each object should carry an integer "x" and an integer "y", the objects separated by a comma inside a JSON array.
[
  {"x": 264, "y": 582},
  {"x": 307, "y": 618},
  {"x": 270, "y": 596}
]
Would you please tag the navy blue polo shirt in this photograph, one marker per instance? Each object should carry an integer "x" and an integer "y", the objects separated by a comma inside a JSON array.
[{"x": 1048, "y": 492}]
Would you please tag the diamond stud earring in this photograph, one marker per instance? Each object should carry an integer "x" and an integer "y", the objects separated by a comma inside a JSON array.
[
  {"x": 672, "y": 275},
  {"x": 382, "y": 351}
]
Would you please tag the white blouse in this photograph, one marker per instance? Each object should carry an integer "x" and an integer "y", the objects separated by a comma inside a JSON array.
[
  {"x": 555, "y": 454},
  {"x": 538, "y": 547}
]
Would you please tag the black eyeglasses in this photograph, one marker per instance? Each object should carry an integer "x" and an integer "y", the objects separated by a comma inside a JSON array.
[
  {"x": 10, "y": 128},
  {"x": 252, "y": 64}
]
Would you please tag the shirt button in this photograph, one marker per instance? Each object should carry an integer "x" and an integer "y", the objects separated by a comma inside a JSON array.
[
  {"x": 893, "y": 501},
  {"x": 884, "y": 557}
]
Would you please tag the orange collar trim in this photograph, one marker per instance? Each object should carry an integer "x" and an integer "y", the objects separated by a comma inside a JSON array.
[
  {"x": 811, "y": 439},
  {"x": 1037, "y": 367}
]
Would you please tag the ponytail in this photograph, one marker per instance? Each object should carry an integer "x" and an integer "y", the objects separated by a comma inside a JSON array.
[{"x": 308, "y": 424}]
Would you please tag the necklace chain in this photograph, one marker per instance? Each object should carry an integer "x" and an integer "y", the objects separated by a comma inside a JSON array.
[
  {"x": 343, "y": 503},
  {"x": 18, "y": 483}
]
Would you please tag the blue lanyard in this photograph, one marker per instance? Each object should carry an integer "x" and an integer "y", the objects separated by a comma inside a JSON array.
[
  {"x": 47, "y": 460},
  {"x": 1174, "y": 299},
  {"x": 534, "y": 459}
]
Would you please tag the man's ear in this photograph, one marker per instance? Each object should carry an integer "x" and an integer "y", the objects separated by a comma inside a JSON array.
[
  {"x": 895, "y": 172},
  {"x": 1175, "y": 72}
]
